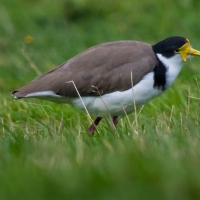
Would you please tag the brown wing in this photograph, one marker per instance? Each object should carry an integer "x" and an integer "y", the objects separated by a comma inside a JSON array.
[{"x": 104, "y": 68}]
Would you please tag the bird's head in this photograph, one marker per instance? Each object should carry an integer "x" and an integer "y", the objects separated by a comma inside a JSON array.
[{"x": 175, "y": 45}]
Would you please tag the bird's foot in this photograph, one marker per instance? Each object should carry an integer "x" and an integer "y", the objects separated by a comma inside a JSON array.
[
  {"x": 91, "y": 129},
  {"x": 115, "y": 120}
]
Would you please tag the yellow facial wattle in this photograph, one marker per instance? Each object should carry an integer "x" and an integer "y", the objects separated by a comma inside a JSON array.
[{"x": 186, "y": 50}]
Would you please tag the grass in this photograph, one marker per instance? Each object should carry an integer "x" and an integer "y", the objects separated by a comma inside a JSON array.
[{"x": 45, "y": 149}]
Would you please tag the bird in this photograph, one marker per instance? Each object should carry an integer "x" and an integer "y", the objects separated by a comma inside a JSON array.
[{"x": 114, "y": 78}]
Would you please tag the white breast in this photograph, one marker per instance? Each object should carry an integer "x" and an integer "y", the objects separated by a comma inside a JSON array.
[{"x": 173, "y": 66}]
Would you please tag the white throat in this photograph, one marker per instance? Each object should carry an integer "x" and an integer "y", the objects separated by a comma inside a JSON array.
[{"x": 173, "y": 66}]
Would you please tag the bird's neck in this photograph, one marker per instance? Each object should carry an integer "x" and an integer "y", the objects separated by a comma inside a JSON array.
[{"x": 173, "y": 67}]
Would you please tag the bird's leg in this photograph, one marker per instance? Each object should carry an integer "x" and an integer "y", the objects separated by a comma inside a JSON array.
[
  {"x": 115, "y": 120},
  {"x": 92, "y": 127}
]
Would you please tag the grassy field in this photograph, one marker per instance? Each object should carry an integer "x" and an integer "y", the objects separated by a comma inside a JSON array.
[{"x": 45, "y": 149}]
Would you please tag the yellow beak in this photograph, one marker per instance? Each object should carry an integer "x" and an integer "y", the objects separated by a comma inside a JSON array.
[{"x": 186, "y": 50}]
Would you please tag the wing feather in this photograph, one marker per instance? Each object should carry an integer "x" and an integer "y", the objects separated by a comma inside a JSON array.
[{"x": 108, "y": 67}]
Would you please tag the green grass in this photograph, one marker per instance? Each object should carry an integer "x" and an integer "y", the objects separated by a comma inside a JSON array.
[{"x": 45, "y": 149}]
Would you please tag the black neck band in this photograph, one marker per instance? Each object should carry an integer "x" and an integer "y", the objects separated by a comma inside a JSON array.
[{"x": 160, "y": 76}]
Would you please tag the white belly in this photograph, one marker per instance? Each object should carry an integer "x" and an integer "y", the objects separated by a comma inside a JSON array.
[{"x": 115, "y": 103}]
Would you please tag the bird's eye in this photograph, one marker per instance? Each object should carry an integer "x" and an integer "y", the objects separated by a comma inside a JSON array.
[{"x": 176, "y": 51}]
